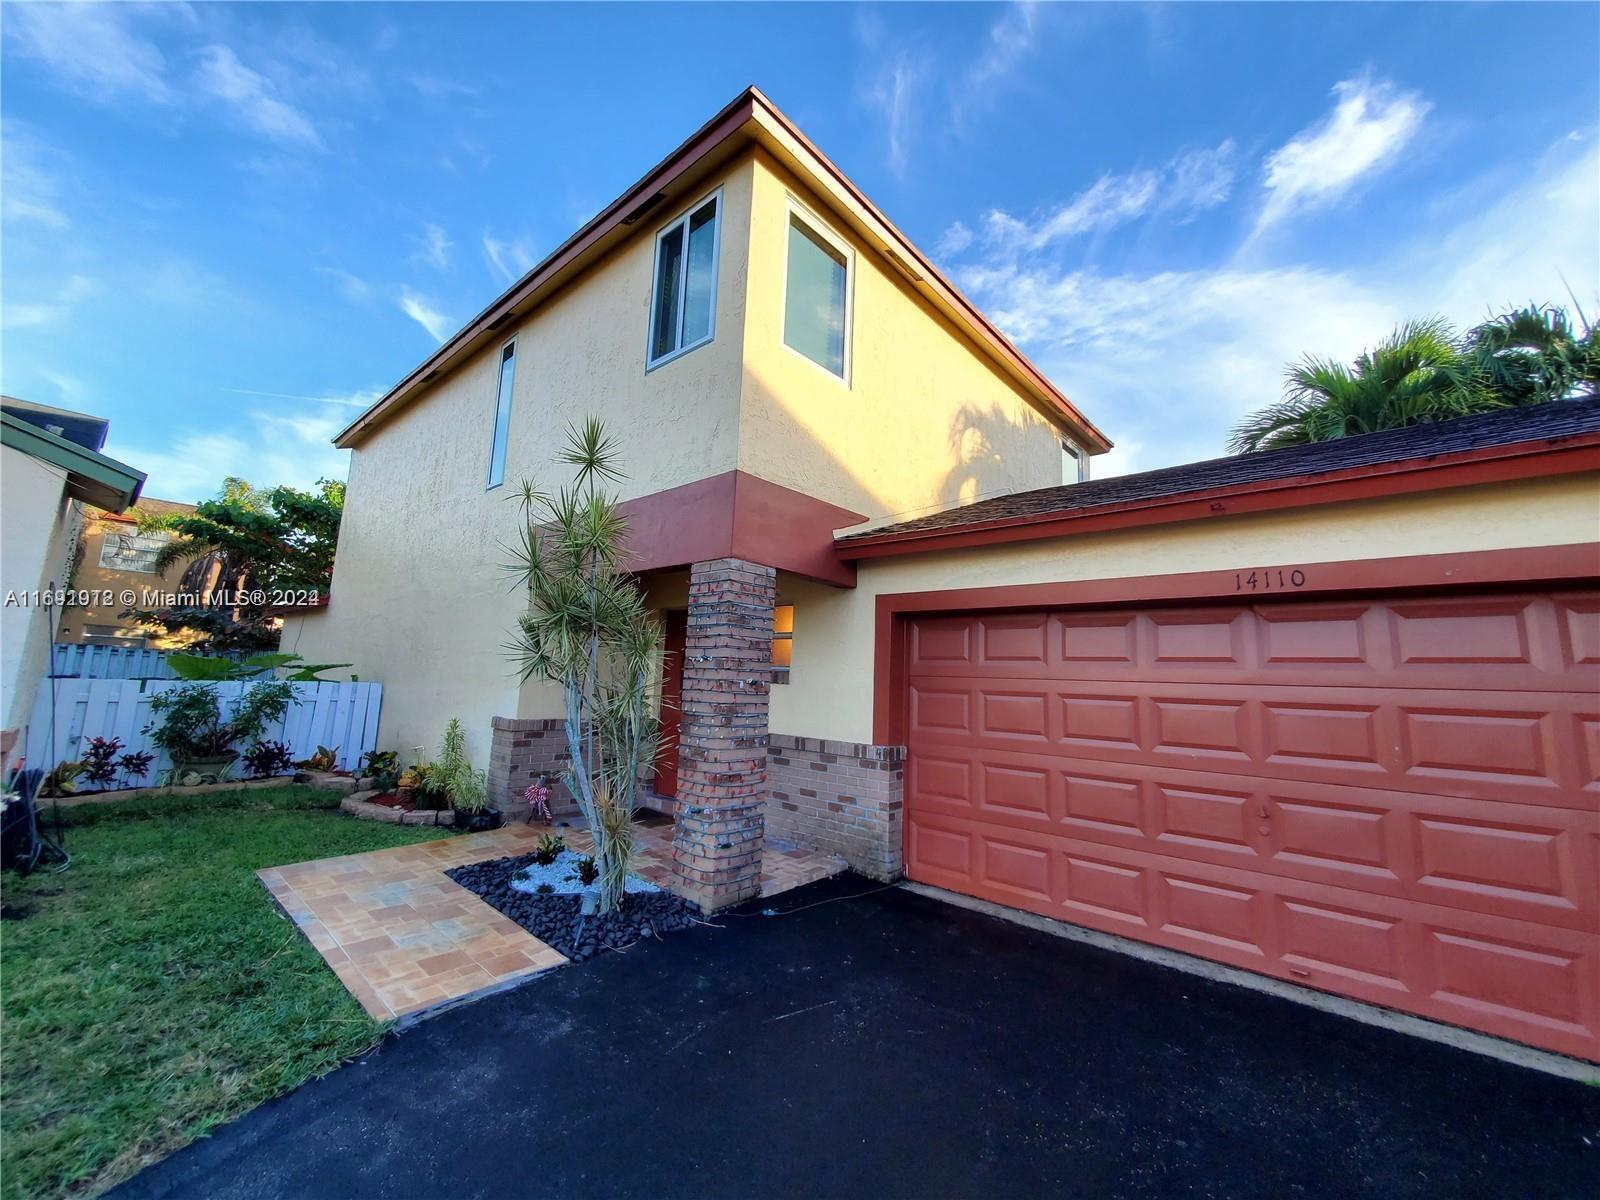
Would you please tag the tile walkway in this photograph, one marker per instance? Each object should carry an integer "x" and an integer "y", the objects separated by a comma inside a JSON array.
[{"x": 405, "y": 939}]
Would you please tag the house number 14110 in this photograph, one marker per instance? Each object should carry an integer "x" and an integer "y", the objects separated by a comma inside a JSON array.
[{"x": 1269, "y": 580}]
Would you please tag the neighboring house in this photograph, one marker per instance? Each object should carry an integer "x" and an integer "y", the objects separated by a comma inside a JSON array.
[
  {"x": 114, "y": 558},
  {"x": 51, "y": 467},
  {"x": 1326, "y": 713}
]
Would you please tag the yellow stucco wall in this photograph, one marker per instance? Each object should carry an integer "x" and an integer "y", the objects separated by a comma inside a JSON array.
[
  {"x": 924, "y": 422},
  {"x": 92, "y": 577},
  {"x": 419, "y": 601},
  {"x": 829, "y": 694}
]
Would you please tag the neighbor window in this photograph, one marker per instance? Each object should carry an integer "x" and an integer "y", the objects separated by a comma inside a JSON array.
[
  {"x": 684, "y": 297},
  {"x": 1074, "y": 463},
  {"x": 132, "y": 551},
  {"x": 816, "y": 297},
  {"x": 782, "y": 641},
  {"x": 502, "y": 415}
]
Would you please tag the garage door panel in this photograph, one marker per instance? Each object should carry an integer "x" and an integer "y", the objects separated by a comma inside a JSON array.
[
  {"x": 1397, "y": 799},
  {"x": 1525, "y": 980},
  {"x": 1494, "y": 643},
  {"x": 1538, "y": 864},
  {"x": 1534, "y": 748}
]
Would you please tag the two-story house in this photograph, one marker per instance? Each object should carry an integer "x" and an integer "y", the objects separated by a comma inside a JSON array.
[
  {"x": 114, "y": 559},
  {"x": 1327, "y": 713}
]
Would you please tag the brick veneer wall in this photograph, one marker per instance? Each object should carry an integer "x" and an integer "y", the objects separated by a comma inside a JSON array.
[
  {"x": 843, "y": 798},
  {"x": 521, "y": 750},
  {"x": 722, "y": 739}
]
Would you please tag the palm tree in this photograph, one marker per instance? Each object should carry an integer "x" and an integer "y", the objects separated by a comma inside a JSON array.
[
  {"x": 1535, "y": 354},
  {"x": 1418, "y": 373}
]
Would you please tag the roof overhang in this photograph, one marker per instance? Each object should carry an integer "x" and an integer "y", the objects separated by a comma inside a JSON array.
[
  {"x": 750, "y": 120},
  {"x": 1491, "y": 464},
  {"x": 91, "y": 476}
]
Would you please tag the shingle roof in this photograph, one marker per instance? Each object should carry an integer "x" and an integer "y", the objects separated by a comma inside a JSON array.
[{"x": 1542, "y": 422}]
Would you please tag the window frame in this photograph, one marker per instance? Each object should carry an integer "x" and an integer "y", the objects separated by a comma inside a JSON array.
[
  {"x": 1076, "y": 452},
  {"x": 780, "y": 671},
  {"x": 713, "y": 196},
  {"x": 820, "y": 229},
  {"x": 109, "y": 541},
  {"x": 490, "y": 482}
]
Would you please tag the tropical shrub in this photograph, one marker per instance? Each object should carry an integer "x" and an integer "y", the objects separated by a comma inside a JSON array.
[
  {"x": 326, "y": 758},
  {"x": 1424, "y": 371},
  {"x": 268, "y": 758},
  {"x": 451, "y": 773},
  {"x": 135, "y": 765},
  {"x": 190, "y": 724},
  {"x": 548, "y": 849},
  {"x": 587, "y": 629},
  {"x": 100, "y": 760}
]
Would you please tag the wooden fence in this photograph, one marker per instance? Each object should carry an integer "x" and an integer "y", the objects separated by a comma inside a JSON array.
[
  {"x": 77, "y": 660},
  {"x": 67, "y": 712}
]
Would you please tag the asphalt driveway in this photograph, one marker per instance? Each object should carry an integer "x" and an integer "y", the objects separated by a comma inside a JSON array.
[{"x": 891, "y": 1045}]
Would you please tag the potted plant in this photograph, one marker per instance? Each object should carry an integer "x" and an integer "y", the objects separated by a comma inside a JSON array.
[
  {"x": 191, "y": 728},
  {"x": 467, "y": 789}
]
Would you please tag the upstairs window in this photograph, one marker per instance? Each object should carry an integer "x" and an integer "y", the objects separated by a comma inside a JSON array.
[
  {"x": 683, "y": 300},
  {"x": 132, "y": 551},
  {"x": 816, "y": 296},
  {"x": 1074, "y": 463},
  {"x": 502, "y": 415}
]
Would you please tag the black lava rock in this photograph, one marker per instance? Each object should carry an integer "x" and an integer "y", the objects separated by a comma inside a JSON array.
[{"x": 558, "y": 921}]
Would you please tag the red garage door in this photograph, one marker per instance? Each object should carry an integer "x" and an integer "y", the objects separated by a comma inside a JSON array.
[{"x": 1394, "y": 799}]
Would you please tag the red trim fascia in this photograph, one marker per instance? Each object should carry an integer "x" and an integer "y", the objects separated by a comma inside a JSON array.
[
  {"x": 737, "y": 515},
  {"x": 1492, "y": 464},
  {"x": 1571, "y": 564}
]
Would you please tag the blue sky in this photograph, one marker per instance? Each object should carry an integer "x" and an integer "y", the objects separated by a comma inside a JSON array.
[{"x": 227, "y": 228}]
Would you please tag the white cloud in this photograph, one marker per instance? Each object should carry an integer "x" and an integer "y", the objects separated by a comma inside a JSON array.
[
  {"x": 1370, "y": 124},
  {"x": 1167, "y": 362},
  {"x": 90, "y": 47},
  {"x": 282, "y": 447},
  {"x": 956, "y": 238},
  {"x": 352, "y": 287},
  {"x": 28, "y": 188},
  {"x": 508, "y": 260},
  {"x": 432, "y": 87},
  {"x": 893, "y": 93},
  {"x": 423, "y": 313},
  {"x": 49, "y": 311},
  {"x": 252, "y": 96},
  {"x": 1010, "y": 39},
  {"x": 433, "y": 247},
  {"x": 1192, "y": 181},
  {"x": 1200, "y": 179}
]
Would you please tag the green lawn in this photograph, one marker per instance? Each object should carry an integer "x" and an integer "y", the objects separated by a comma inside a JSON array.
[{"x": 153, "y": 990}]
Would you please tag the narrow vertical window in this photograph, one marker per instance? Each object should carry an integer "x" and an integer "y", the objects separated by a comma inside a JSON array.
[
  {"x": 782, "y": 641},
  {"x": 502, "y": 415},
  {"x": 1074, "y": 463},
  {"x": 683, "y": 300},
  {"x": 816, "y": 301}
]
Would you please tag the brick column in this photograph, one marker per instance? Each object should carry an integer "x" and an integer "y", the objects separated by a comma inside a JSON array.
[{"x": 722, "y": 770}]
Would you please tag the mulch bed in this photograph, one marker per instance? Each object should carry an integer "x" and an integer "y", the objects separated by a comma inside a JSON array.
[{"x": 557, "y": 920}]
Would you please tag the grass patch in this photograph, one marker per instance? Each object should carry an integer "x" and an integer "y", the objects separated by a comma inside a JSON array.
[{"x": 154, "y": 991}]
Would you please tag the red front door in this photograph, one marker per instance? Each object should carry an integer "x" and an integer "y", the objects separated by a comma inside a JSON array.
[{"x": 677, "y": 632}]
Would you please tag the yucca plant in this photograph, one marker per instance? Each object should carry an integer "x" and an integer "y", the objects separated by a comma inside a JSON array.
[{"x": 587, "y": 630}]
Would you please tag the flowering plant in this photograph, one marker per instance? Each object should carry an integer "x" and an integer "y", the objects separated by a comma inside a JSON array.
[{"x": 538, "y": 795}]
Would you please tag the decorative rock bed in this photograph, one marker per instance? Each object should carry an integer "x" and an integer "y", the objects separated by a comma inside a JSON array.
[
  {"x": 359, "y": 804},
  {"x": 556, "y": 918}
]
